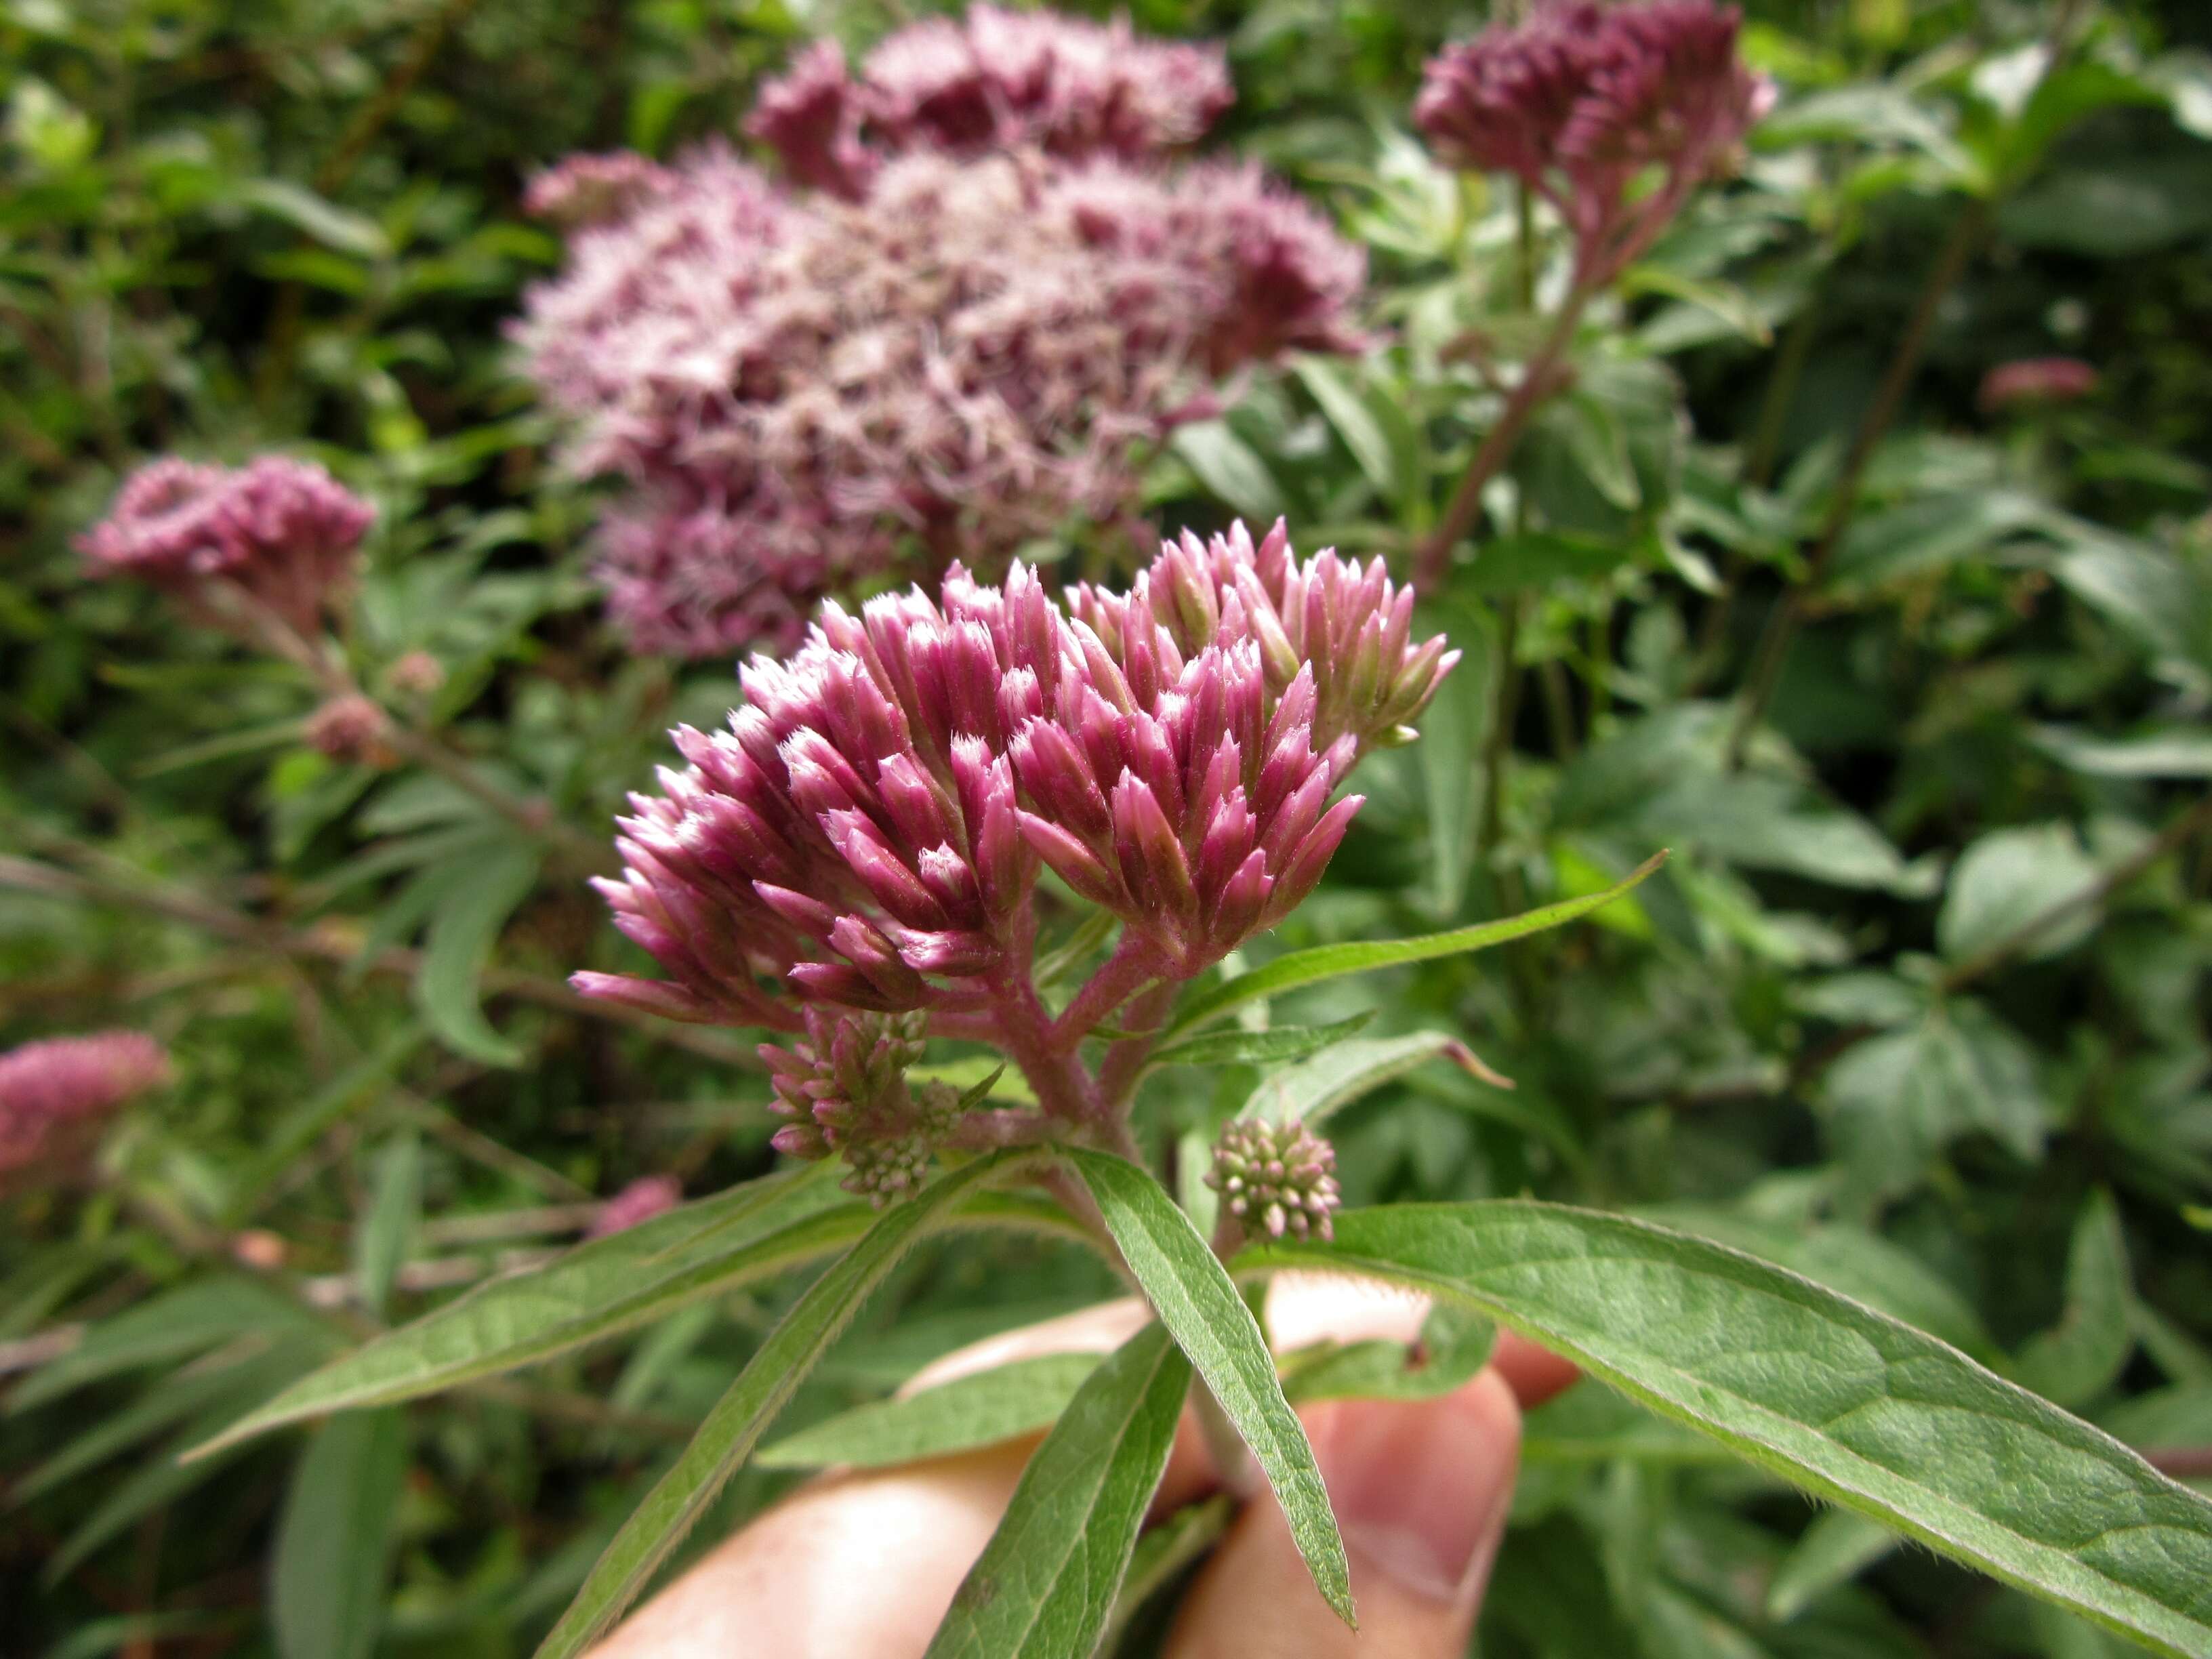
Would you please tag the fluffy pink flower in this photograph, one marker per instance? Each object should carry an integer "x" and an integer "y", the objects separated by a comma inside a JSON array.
[
  {"x": 2037, "y": 380},
  {"x": 994, "y": 79},
  {"x": 801, "y": 387},
  {"x": 281, "y": 533},
  {"x": 642, "y": 1199},
  {"x": 869, "y": 828},
  {"x": 585, "y": 189},
  {"x": 1582, "y": 97},
  {"x": 51, "y": 1093}
]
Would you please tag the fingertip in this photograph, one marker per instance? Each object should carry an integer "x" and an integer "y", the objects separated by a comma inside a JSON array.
[{"x": 1535, "y": 1374}]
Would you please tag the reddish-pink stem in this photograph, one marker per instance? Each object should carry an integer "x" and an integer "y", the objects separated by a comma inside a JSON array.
[{"x": 1134, "y": 961}]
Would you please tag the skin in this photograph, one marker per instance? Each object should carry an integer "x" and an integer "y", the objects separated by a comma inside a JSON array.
[{"x": 868, "y": 1563}]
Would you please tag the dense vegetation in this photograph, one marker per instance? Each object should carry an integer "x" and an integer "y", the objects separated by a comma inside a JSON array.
[{"x": 1906, "y": 663}]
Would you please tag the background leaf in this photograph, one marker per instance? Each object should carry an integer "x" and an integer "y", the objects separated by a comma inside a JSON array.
[{"x": 334, "y": 1539}]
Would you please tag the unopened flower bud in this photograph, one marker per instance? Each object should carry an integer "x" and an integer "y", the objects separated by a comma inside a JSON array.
[
  {"x": 642, "y": 1199},
  {"x": 1278, "y": 1179}
]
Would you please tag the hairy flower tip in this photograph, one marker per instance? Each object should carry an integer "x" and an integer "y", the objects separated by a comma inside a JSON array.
[
  {"x": 642, "y": 1199},
  {"x": 802, "y": 388},
  {"x": 1276, "y": 1178},
  {"x": 2032, "y": 381},
  {"x": 54, "y": 1094},
  {"x": 353, "y": 730},
  {"x": 281, "y": 533},
  {"x": 1582, "y": 97},
  {"x": 588, "y": 189},
  {"x": 843, "y": 1089},
  {"x": 1002, "y": 79}
]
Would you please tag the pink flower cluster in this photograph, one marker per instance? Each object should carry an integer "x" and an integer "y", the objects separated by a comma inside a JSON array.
[
  {"x": 51, "y": 1092},
  {"x": 584, "y": 190},
  {"x": 868, "y": 832},
  {"x": 2036, "y": 380},
  {"x": 281, "y": 534},
  {"x": 994, "y": 79},
  {"x": 1583, "y": 97},
  {"x": 955, "y": 340},
  {"x": 1276, "y": 1178}
]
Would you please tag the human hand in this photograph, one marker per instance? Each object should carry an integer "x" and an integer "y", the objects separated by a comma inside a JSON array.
[{"x": 867, "y": 1562}]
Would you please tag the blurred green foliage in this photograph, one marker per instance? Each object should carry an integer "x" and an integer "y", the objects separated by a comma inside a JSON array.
[{"x": 1917, "y": 1007}]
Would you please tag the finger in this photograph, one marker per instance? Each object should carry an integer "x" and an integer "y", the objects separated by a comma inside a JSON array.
[
  {"x": 1305, "y": 1307},
  {"x": 1420, "y": 1491},
  {"x": 855, "y": 1564}
]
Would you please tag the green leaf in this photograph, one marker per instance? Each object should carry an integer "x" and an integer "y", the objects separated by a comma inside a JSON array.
[
  {"x": 2008, "y": 876},
  {"x": 1303, "y": 967},
  {"x": 1895, "y": 1100},
  {"x": 1453, "y": 730},
  {"x": 1835, "y": 1549},
  {"x": 2077, "y": 1358},
  {"x": 1198, "y": 1303},
  {"x": 1162, "y": 1554},
  {"x": 387, "y": 1232},
  {"x": 1455, "y": 1344},
  {"x": 326, "y": 1590},
  {"x": 981, "y": 1410},
  {"x": 2169, "y": 752},
  {"x": 169, "y": 1329},
  {"x": 315, "y": 216},
  {"x": 1045, "y": 1584},
  {"x": 474, "y": 898},
  {"x": 1275, "y": 1045},
  {"x": 736, "y": 1424},
  {"x": 314, "y": 1117},
  {"x": 1387, "y": 451},
  {"x": 1848, "y": 1403},
  {"x": 1229, "y": 469},
  {"x": 595, "y": 1290},
  {"x": 1317, "y": 1087}
]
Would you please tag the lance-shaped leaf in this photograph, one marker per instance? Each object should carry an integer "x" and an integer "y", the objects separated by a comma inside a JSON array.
[
  {"x": 595, "y": 1290},
  {"x": 1279, "y": 1046},
  {"x": 980, "y": 1410},
  {"x": 1847, "y": 1402},
  {"x": 1046, "y": 1583},
  {"x": 1301, "y": 968},
  {"x": 741, "y": 1416},
  {"x": 1311, "y": 1090},
  {"x": 1198, "y": 1303}
]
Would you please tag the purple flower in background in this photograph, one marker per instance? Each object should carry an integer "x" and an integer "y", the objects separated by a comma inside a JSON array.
[
  {"x": 992, "y": 80},
  {"x": 867, "y": 831},
  {"x": 642, "y": 1199},
  {"x": 1581, "y": 98},
  {"x": 279, "y": 534},
  {"x": 54, "y": 1094},
  {"x": 957, "y": 337},
  {"x": 2037, "y": 380}
]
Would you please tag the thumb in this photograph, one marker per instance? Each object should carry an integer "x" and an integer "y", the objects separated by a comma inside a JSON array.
[{"x": 1420, "y": 1490}]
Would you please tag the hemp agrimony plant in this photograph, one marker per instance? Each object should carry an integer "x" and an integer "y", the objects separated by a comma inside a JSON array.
[{"x": 860, "y": 861}]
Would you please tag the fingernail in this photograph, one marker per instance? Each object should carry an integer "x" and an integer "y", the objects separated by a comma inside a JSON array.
[{"x": 1421, "y": 1488}]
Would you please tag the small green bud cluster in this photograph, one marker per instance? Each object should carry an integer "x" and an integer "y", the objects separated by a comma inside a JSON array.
[{"x": 1279, "y": 1178}]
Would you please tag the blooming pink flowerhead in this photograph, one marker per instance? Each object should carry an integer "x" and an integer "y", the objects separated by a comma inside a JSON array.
[
  {"x": 52, "y": 1093},
  {"x": 2037, "y": 380},
  {"x": 994, "y": 79},
  {"x": 801, "y": 387},
  {"x": 280, "y": 534},
  {"x": 867, "y": 833},
  {"x": 1581, "y": 97},
  {"x": 639, "y": 1202}
]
